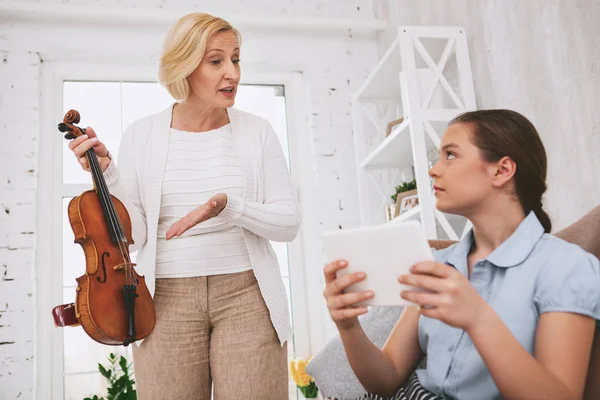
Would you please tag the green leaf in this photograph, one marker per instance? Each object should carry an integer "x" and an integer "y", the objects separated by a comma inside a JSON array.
[
  {"x": 105, "y": 373},
  {"x": 310, "y": 391},
  {"x": 123, "y": 363},
  {"x": 404, "y": 187},
  {"x": 118, "y": 375}
]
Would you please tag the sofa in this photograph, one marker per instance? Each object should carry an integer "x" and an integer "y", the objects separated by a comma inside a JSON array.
[{"x": 333, "y": 374}]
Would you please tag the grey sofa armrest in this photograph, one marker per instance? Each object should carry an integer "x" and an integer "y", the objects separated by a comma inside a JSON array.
[{"x": 330, "y": 367}]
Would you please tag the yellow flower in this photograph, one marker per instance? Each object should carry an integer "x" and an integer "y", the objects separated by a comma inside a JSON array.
[{"x": 298, "y": 370}]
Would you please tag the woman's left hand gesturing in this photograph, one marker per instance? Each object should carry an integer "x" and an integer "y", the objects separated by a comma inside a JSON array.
[
  {"x": 204, "y": 212},
  {"x": 450, "y": 297}
]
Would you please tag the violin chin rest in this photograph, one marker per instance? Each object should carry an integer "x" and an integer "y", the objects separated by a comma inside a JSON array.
[{"x": 65, "y": 315}]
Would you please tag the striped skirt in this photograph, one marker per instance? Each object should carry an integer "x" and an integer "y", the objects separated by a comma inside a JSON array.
[{"x": 411, "y": 390}]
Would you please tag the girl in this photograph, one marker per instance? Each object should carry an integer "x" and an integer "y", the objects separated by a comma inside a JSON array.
[{"x": 509, "y": 310}]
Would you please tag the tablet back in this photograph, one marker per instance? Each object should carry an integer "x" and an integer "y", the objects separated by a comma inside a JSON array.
[{"x": 383, "y": 252}]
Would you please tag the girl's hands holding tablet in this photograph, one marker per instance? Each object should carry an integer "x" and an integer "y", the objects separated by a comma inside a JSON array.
[
  {"x": 342, "y": 306},
  {"x": 450, "y": 297}
]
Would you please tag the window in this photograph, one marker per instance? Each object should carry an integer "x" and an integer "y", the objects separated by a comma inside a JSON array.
[{"x": 109, "y": 107}]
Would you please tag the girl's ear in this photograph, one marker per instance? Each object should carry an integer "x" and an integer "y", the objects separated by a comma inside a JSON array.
[{"x": 503, "y": 171}]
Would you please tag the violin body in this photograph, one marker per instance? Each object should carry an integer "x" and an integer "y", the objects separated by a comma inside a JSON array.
[
  {"x": 113, "y": 303},
  {"x": 99, "y": 304}
]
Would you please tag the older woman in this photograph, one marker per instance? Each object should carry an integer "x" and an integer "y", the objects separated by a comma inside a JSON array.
[{"x": 206, "y": 187}]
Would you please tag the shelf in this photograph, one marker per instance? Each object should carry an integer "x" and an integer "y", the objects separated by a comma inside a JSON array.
[
  {"x": 393, "y": 150},
  {"x": 383, "y": 81},
  {"x": 425, "y": 77},
  {"x": 453, "y": 220},
  {"x": 406, "y": 215}
]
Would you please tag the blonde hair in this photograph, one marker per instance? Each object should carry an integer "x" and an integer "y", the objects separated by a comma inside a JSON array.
[{"x": 184, "y": 49}]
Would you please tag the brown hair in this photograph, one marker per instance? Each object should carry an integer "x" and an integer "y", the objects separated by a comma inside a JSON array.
[{"x": 506, "y": 133}]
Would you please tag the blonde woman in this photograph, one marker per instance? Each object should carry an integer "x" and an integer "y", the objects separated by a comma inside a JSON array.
[{"x": 206, "y": 187}]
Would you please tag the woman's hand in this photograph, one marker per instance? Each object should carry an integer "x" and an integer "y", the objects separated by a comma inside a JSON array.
[
  {"x": 450, "y": 297},
  {"x": 206, "y": 211},
  {"x": 341, "y": 305},
  {"x": 85, "y": 142}
]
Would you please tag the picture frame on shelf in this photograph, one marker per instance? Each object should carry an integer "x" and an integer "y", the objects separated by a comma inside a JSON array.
[
  {"x": 405, "y": 201},
  {"x": 392, "y": 124},
  {"x": 390, "y": 212},
  {"x": 409, "y": 202}
]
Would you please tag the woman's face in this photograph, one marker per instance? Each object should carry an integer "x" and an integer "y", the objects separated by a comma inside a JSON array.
[
  {"x": 462, "y": 179},
  {"x": 215, "y": 81}
]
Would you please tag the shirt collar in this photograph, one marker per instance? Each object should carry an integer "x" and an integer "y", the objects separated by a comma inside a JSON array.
[{"x": 512, "y": 252}]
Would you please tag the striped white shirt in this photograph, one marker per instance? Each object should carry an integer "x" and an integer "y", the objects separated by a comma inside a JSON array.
[{"x": 200, "y": 165}]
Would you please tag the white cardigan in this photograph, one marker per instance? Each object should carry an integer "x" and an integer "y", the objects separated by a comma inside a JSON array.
[{"x": 267, "y": 211}]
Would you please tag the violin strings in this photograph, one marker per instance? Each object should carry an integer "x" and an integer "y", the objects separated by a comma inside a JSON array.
[{"x": 114, "y": 221}]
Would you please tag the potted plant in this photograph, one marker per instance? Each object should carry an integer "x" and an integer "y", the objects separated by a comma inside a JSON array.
[
  {"x": 304, "y": 382},
  {"x": 403, "y": 190},
  {"x": 118, "y": 375}
]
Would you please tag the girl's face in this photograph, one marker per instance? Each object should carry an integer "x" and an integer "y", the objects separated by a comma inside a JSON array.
[{"x": 462, "y": 179}]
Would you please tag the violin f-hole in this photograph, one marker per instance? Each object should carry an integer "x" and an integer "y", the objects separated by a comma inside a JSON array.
[{"x": 103, "y": 279}]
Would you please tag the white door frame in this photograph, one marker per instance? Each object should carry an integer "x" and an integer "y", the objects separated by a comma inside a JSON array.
[{"x": 303, "y": 251}]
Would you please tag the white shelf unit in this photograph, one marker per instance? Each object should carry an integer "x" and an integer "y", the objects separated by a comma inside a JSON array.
[{"x": 407, "y": 82}]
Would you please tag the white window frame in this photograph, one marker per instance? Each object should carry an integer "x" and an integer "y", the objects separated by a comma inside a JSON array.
[{"x": 303, "y": 251}]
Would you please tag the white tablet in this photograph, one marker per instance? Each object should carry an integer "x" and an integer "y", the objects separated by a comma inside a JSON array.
[{"x": 383, "y": 252}]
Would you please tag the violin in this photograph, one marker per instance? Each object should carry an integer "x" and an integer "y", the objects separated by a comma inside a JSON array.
[{"x": 113, "y": 304}]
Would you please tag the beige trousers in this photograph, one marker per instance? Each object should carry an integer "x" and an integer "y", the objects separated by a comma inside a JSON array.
[{"x": 212, "y": 330}]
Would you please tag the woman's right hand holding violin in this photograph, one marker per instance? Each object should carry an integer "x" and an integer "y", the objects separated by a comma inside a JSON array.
[
  {"x": 83, "y": 143},
  {"x": 342, "y": 306}
]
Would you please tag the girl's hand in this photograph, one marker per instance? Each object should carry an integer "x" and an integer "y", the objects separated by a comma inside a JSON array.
[
  {"x": 450, "y": 298},
  {"x": 341, "y": 305}
]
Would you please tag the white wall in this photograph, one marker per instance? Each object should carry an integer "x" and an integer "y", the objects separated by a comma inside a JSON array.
[
  {"x": 542, "y": 59},
  {"x": 19, "y": 118},
  {"x": 332, "y": 63}
]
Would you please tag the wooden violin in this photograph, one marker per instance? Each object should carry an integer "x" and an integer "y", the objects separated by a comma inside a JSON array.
[{"x": 113, "y": 304}]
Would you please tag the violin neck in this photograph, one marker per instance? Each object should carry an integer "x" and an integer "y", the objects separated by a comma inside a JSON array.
[{"x": 110, "y": 213}]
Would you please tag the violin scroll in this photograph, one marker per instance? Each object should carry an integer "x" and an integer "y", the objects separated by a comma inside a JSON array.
[{"x": 72, "y": 131}]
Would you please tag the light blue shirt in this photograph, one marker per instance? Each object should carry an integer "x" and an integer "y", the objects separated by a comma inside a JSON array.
[{"x": 529, "y": 274}]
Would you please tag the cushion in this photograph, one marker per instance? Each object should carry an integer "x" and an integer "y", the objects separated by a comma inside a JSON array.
[{"x": 330, "y": 367}]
